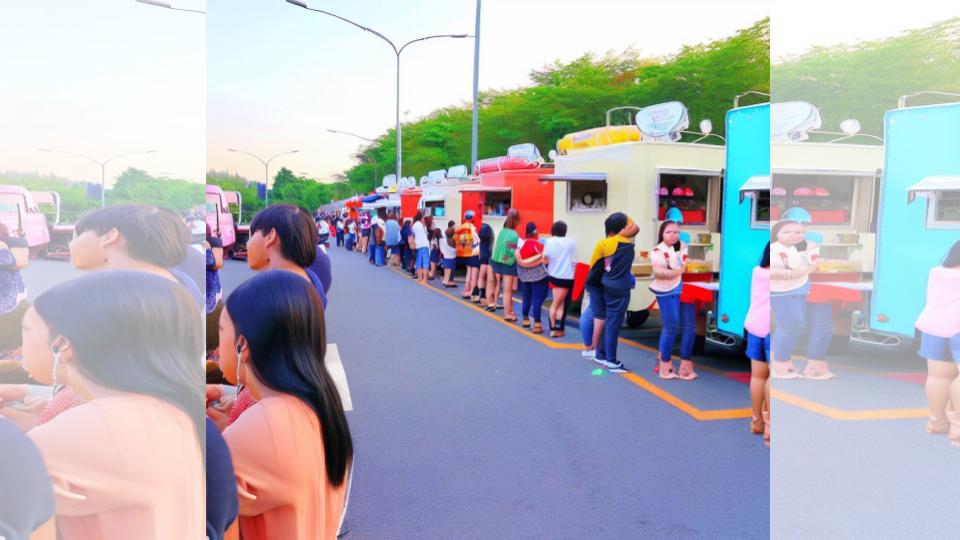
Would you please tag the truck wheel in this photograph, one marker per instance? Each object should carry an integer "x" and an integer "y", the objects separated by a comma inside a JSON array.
[{"x": 635, "y": 319}]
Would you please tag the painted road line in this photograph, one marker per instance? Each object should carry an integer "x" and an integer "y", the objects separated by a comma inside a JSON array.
[
  {"x": 837, "y": 414},
  {"x": 339, "y": 375},
  {"x": 698, "y": 414},
  {"x": 719, "y": 414}
]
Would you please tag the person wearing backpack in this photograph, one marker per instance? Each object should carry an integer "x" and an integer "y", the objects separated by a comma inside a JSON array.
[{"x": 468, "y": 253}]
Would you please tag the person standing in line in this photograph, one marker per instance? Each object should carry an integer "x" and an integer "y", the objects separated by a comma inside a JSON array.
[
  {"x": 422, "y": 246},
  {"x": 504, "y": 263},
  {"x": 560, "y": 255},
  {"x": 468, "y": 253},
  {"x": 669, "y": 261},
  {"x": 610, "y": 281},
  {"x": 939, "y": 326},
  {"x": 435, "y": 256},
  {"x": 757, "y": 325},
  {"x": 533, "y": 278},
  {"x": 392, "y": 239},
  {"x": 485, "y": 280},
  {"x": 448, "y": 250},
  {"x": 792, "y": 259},
  {"x": 405, "y": 248}
]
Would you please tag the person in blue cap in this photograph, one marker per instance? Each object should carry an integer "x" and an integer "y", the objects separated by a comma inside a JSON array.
[{"x": 792, "y": 259}]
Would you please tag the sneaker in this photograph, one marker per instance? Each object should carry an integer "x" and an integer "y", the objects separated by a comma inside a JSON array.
[
  {"x": 589, "y": 354},
  {"x": 617, "y": 368},
  {"x": 605, "y": 363}
]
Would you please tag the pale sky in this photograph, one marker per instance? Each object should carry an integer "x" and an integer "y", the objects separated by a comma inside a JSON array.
[
  {"x": 796, "y": 26},
  {"x": 279, "y": 76},
  {"x": 102, "y": 77}
]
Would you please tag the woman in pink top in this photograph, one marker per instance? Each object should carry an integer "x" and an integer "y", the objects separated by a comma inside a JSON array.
[
  {"x": 291, "y": 450},
  {"x": 757, "y": 325},
  {"x": 939, "y": 326},
  {"x": 127, "y": 463}
]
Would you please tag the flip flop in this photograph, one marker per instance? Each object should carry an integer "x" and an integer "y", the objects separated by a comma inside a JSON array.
[
  {"x": 511, "y": 318},
  {"x": 490, "y": 309},
  {"x": 669, "y": 375},
  {"x": 823, "y": 376},
  {"x": 689, "y": 376},
  {"x": 790, "y": 374}
]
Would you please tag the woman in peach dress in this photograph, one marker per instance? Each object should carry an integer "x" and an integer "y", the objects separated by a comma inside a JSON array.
[
  {"x": 127, "y": 463},
  {"x": 292, "y": 449}
]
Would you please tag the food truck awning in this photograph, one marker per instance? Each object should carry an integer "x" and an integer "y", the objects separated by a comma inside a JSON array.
[
  {"x": 431, "y": 197},
  {"x": 754, "y": 184},
  {"x": 576, "y": 177},
  {"x": 931, "y": 184},
  {"x": 486, "y": 189},
  {"x": 386, "y": 203}
]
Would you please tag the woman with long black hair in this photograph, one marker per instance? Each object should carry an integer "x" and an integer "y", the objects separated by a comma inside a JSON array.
[
  {"x": 292, "y": 449},
  {"x": 130, "y": 345},
  {"x": 283, "y": 237}
]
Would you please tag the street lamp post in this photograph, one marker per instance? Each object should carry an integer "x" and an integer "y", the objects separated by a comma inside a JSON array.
[
  {"x": 476, "y": 91},
  {"x": 266, "y": 169},
  {"x": 396, "y": 51},
  {"x": 103, "y": 167},
  {"x": 167, "y": 6},
  {"x": 376, "y": 177}
]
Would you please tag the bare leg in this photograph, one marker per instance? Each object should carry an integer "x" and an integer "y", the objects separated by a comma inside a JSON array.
[
  {"x": 507, "y": 296},
  {"x": 940, "y": 378},
  {"x": 759, "y": 376}
]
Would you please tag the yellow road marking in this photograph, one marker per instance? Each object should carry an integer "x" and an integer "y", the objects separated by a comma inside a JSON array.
[
  {"x": 699, "y": 414},
  {"x": 837, "y": 414}
]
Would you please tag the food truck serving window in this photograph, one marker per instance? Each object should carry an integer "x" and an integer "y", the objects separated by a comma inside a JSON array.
[
  {"x": 945, "y": 210},
  {"x": 496, "y": 203},
  {"x": 760, "y": 216},
  {"x": 586, "y": 196},
  {"x": 688, "y": 192},
  {"x": 828, "y": 197}
]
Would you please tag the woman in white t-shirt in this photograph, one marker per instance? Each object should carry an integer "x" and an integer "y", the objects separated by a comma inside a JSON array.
[
  {"x": 422, "y": 245},
  {"x": 669, "y": 259},
  {"x": 560, "y": 256},
  {"x": 792, "y": 260}
]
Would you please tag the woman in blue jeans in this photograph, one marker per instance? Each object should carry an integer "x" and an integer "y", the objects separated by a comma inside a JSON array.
[
  {"x": 533, "y": 278},
  {"x": 669, "y": 260},
  {"x": 609, "y": 282},
  {"x": 792, "y": 260}
]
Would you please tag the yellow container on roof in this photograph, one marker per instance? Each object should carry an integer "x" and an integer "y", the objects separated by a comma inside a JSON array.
[{"x": 600, "y": 136}]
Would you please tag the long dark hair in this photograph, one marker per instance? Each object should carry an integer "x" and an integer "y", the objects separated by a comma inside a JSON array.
[
  {"x": 765, "y": 258},
  {"x": 775, "y": 231},
  {"x": 154, "y": 235},
  {"x": 281, "y": 317},
  {"x": 952, "y": 260},
  {"x": 134, "y": 332},
  {"x": 513, "y": 219},
  {"x": 295, "y": 228},
  {"x": 663, "y": 227}
]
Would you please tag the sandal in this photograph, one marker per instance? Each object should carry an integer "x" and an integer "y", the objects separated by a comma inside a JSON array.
[
  {"x": 537, "y": 328},
  {"x": 510, "y": 318},
  {"x": 756, "y": 426},
  {"x": 490, "y": 309},
  {"x": 526, "y": 322},
  {"x": 668, "y": 373},
  {"x": 789, "y": 373},
  {"x": 819, "y": 375},
  {"x": 689, "y": 376},
  {"x": 935, "y": 427}
]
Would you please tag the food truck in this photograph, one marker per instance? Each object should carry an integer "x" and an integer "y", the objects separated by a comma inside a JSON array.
[
  {"x": 918, "y": 218},
  {"x": 220, "y": 218},
  {"x": 511, "y": 181},
  {"x": 836, "y": 182},
  {"x": 642, "y": 178},
  {"x": 441, "y": 196},
  {"x": 745, "y": 222},
  {"x": 20, "y": 212}
]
